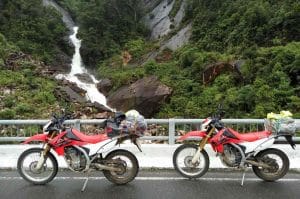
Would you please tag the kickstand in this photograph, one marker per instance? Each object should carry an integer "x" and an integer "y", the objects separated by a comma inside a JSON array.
[
  {"x": 243, "y": 178},
  {"x": 85, "y": 183}
]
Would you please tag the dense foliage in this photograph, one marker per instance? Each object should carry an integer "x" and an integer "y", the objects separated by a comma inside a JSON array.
[
  {"x": 34, "y": 28},
  {"x": 234, "y": 25},
  {"x": 263, "y": 34},
  {"x": 106, "y": 25},
  {"x": 23, "y": 92}
]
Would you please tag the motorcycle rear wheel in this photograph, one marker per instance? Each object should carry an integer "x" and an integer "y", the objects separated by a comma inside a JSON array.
[
  {"x": 279, "y": 166},
  {"x": 182, "y": 158},
  {"x": 28, "y": 161},
  {"x": 124, "y": 160}
]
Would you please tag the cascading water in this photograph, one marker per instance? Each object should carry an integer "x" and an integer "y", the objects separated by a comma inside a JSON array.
[
  {"x": 76, "y": 61},
  {"x": 77, "y": 66}
]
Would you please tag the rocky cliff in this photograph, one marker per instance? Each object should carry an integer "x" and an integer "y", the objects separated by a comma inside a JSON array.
[{"x": 163, "y": 25}]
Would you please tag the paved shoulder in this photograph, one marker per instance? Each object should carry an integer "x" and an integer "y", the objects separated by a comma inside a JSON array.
[{"x": 154, "y": 184}]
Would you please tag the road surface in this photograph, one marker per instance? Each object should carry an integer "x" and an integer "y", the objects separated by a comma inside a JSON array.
[{"x": 152, "y": 184}]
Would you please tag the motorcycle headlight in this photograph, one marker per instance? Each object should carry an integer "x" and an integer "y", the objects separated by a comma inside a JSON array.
[
  {"x": 46, "y": 126},
  {"x": 205, "y": 124}
]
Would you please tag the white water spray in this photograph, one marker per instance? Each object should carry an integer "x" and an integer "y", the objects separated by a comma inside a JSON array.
[
  {"x": 77, "y": 66},
  {"x": 76, "y": 61}
]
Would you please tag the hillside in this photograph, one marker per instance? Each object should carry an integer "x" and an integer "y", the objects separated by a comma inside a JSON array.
[
  {"x": 244, "y": 54},
  {"x": 24, "y": 91}
]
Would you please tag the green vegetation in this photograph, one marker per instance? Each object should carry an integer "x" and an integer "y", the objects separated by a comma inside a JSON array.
[
  {"x": 235, "y": 25},
  {"x": 106, "y": 26},
  {"x": 263, "y": 34},
  {"x": 23, "y": 92},
  {"x": 175, "y": 8},
  {"x": 35, "y": 29}
]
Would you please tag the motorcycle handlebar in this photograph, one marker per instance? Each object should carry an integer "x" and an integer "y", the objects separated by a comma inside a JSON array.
[{"x": 59, "y": 120}]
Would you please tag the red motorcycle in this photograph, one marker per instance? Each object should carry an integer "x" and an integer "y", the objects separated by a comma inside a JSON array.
[
  {"x": 82, "y": 153},
  {"x": 234, "y": 149}
]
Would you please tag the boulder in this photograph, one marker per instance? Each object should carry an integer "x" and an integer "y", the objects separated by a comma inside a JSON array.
[
  {"x": 73, "y": 86},
  {"x": 100, "y": 107},
  {"x": 211, "y": 71},
  {"x": 70, "y": 92},
  {"x": 145, "y": 95},
  {"x": 69, "y": 95},
  {"x": 85, "y": 78},
  {"x": 104, "y": 86},
  {"x": 61, "y": 64},
  {"x": 103, "y": 115}
]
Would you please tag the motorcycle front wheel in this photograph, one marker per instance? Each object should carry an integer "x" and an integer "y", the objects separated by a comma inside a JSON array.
[
  {"x": 182, "y": 161},
  {"x": 277, "y": 161},
  {"x": 127, "y": 164},
  {"x": 28, "y": 161}
]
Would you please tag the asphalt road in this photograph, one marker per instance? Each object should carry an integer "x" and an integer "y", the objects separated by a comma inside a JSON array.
[{"x": 154, "y": 184}]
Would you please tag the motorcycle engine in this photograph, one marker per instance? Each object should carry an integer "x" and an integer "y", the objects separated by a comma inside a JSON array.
[
  {"x": 75, "y": 158},
  {"x": 231, "y": 156}
]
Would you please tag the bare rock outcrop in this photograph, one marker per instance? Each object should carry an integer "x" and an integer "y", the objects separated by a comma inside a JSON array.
[
  {"x": 104, "y": 86},
  {"x": 84, "y": 77},
  {"x": 145, "y": 95}
]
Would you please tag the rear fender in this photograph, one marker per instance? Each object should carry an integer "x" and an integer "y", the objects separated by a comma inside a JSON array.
[
  {"x": 289, "y": 139},
  {"x": 200, "y": 134},
  {"x": 37, "y": 137}
]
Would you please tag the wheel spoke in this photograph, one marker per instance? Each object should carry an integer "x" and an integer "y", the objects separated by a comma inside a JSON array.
[
  {"x": 27, "y": 167},
  {"x": 127, "y": 165},
  {"x": 278, "y": 165},
  {"x": 182, "y": 161}
]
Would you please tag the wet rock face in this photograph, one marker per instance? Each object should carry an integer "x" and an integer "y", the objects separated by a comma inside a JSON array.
[
  {"x": 73, "y": 86},
  {"x": 158, "y": 20},
  {"x": 100, "y": 108},
  {"x": 61, "y": 64},
  {"x": 151, "y": 4},
  {"x": 145, "y": 95},
  {"x": 70, "y": 95},
  {"x": 104, "y": 86},
  {"x": 181, "y": 38},
  {"x": 86, "y": 78}
]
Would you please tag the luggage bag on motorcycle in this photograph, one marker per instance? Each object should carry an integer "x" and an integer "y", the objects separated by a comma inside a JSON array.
[
  {"x": 129, "y": 123},
  {"x": 281, "y": 124}
]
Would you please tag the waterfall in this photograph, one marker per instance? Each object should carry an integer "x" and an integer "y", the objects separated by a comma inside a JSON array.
[{"x": 77, "y": 66}]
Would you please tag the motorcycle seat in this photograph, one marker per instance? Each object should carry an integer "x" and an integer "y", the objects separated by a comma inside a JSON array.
[
  {"x": 251, "y": 136},
  {"x": 89, "y": 138}
]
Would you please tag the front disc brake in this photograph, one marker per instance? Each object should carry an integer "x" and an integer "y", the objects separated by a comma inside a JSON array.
[
  {"x": 188, "y": 162},
  {"x": 33, "y": 169}
]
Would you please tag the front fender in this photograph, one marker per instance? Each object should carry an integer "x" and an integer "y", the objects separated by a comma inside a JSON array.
[
  {"x": 192, "y": 134},
  {"x": 37, "y": 137}
]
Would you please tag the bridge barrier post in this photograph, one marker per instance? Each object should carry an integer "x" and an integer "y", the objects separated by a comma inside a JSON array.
[
  {"x": 77, "y": 124},
  {"x": 171, "y": 131}
]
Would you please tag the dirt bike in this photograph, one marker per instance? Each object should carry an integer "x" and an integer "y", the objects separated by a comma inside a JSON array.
[
  {"x": 82, "y": 153},
  {"x": 234, "y": 149}
]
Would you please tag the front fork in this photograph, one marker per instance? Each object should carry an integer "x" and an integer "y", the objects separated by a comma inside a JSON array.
[
  {"x": 201, "y": 146},
  {"x": 43, "y": 154}
]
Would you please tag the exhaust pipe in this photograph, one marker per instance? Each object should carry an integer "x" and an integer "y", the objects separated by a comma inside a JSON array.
[
  {"x": 258, "y": 164},
  {"x": 104, "y": 167}
]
